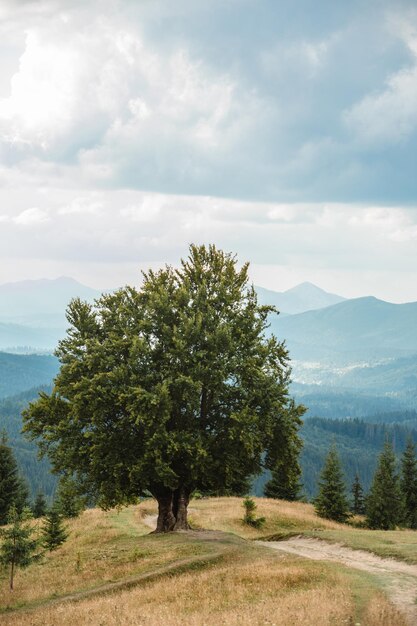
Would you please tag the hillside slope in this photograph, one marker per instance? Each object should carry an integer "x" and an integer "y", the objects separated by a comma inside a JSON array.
[
  {"x": 363, "y": 328},
  {"x": 112, "y": 571}
]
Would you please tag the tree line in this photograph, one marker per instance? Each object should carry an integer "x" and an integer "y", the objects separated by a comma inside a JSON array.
[{"x": 392, "y": 497}]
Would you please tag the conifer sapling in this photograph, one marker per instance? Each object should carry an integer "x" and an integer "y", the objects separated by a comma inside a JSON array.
[
  {"x": 19, "y": 547},
  {"x": 54, "y": 533}
]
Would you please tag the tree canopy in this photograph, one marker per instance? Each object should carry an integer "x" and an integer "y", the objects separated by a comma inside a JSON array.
[{"x": 169, "y": 388}]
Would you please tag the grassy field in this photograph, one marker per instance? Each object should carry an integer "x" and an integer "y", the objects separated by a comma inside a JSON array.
[{"x": 112, "y": 571}]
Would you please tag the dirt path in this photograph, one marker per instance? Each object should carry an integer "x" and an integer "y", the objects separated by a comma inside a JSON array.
[
  {"x": 398, "y": 579},
  {"x": 171, "y": 568}
]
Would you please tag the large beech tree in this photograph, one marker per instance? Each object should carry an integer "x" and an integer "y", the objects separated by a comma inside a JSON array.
[{"x": 169, "y": 388}]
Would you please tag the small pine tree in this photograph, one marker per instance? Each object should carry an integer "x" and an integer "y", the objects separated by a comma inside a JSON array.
[
  {"x": 249, "y": 517},
  {"x": 384, "y": 506},
  {"x": 39, "y": 506},
  {"x": 19, "y": 547},
  {"x": 13, "y": 489},
  {"x": 331, "y": 501},
  {"x": 68, "y": 501},
  {"x": 285, "y": 483},
  {"x": 358, "y": 507},
  {"x": 54, "y": 533},
  {"x": 408, "y": 484}
]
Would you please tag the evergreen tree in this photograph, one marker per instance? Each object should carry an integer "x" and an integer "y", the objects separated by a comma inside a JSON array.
[
  {"x": 54, "y": 532},
  {"x": 68, "y": 501},
  {"x": 358, "y": 499},
  {"x": 19, "y": 548},
  {"x": 249, "y": 518},
  {"x": 285, "y": 482},
  {"x": 286, "y": 471},
  {"x": 22, "y": 495},
  {"x": 39, "y": 507},
  {"x": 384, "y": 506},
  {"x": 331, "y": 501},
  {"x": 408, "y": 484},
  {"x": 13, "y": 490}
]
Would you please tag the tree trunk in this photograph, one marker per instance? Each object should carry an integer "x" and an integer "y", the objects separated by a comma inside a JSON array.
[
  {"x": 180, "y": 504},
  {"x": 172, "y": 509},
  {"x": 166, "y": 519}
]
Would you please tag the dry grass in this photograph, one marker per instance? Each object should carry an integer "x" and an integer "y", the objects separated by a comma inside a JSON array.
[
  {"x": 226, "y": 514},
  {"x": 267, "y": 590},
  {"x": 249, "y": 586},
  {"x": 379, "y": 611},
  {"x": 102, "y": 547}
]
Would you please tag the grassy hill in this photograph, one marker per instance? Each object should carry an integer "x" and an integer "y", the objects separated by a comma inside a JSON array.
[{"x": 112, "y": 571}]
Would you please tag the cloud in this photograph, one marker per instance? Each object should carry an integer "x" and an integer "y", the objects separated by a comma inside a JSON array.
[
  {"x": 30, "y": 217},
  {"x": 130, "y": 129},
  {"x": 389, "y": 116},
  {"x": 206, "y": 99}
]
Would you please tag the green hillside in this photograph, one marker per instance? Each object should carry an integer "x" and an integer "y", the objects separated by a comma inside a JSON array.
[
  {"x": 36, "y": 472},
  {"x": 22, "y": 372}
]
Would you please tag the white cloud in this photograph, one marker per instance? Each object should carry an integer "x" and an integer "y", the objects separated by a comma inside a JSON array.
[
  {"x": 83, "y": 204},
  {"x": 389, "y": 115},
  {"x": 42, "y": 99},
  {"x": 31, "y": 216}
]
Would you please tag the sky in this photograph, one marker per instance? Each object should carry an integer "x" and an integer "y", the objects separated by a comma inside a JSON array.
[{"x": 282, "y": 131}]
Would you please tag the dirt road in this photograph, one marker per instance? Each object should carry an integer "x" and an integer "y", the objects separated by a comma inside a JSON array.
[{"x": 398, "y": 579}]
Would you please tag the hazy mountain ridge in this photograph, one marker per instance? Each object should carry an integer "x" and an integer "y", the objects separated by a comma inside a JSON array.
[
  {"x": 32, "y": 313},
  {"x": 35, "y": 298},
  {"x": 298, "y": 299},
  {"x": 362, "y": 329}
]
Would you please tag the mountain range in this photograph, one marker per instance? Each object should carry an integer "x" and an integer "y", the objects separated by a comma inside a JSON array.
[
  {"x": 349, "y": 358},
  {"x": 32, "y": 312},
  {"x": 357, "y": 329},
  {"x": 303, "y": 297},
  {"x": 361, "y": 346}
]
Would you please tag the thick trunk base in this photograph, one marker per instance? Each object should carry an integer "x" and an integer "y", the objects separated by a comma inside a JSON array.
[{"x": 172, "y": 509}]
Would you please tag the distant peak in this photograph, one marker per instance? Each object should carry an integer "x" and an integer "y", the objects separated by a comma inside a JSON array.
[{"x": 307, "y": 287}]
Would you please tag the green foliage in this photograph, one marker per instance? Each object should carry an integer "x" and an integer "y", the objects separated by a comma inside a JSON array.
[
  {"x": 358, "y": 507},
  {"x": 331, "y": 501},
  {"x": 408, "y": 484},
  {"x": 19, "y": 547},
  {"x": 249, "y": 516},
  {"x": 285, "y": 481},
  {"x": 68, "y": 500},
  {"x": 13, "y": 490},
  {"x": 37, "y": 473},
  {"x": 54, "y": 533},
  {"x": 384, "y": 505},
  {"x": 359, "y": 444},
  {"x": 172, "y": 388},
  {"x": 39, "y": 506}
]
